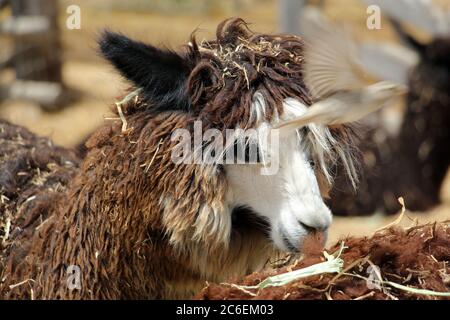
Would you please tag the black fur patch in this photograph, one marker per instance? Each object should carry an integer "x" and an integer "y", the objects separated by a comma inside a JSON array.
[
  {"x": 244, "y": 219},
  {"x": 162, "y": 74}
]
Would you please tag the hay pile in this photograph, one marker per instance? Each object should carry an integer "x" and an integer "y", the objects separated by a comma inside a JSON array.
[
  {"x": 391, "y": 264},
  {"x": 34, "y": 173}
]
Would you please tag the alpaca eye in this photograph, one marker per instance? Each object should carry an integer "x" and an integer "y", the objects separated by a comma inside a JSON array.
[
  {"x": 312, "y": 163},
  {"x": 246, "y": 151},
  {"x": 303, "y": 131}
]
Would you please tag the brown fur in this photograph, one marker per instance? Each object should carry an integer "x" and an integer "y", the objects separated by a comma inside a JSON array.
[
  {"x": 33, "y": 175},
  {"x": 417, "y": 257},
  {"x": 113, "y": 228},
  {"x": 140, "y": 226}
]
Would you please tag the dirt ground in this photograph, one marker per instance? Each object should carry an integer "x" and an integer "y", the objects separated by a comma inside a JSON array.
[{"x": 94, "y": 85}]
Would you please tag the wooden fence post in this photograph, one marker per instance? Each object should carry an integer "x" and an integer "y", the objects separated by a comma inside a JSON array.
[
  {"x": 36, "y": 57},
  {"x": 289, "y": 15}
]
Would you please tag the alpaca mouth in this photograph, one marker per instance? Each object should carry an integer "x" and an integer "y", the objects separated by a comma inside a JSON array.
[
  {"x": 245, "y": 219},
  {"x": 296, "y": 244},
  {"x": 289, "y": 245}
]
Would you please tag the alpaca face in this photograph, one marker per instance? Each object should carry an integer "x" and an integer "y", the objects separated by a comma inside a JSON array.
[
  {"x": 241, "y": 80},
  {"x": 288, "y": 198}
]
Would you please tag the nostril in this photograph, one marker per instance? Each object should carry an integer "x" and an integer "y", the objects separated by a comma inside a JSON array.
[
  {"x": 307, "y": 228},
  {"x": 312, "y": 229}
]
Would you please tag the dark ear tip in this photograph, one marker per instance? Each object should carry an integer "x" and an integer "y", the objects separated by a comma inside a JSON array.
[
  {"x": 160, "y": 73},
  {"x": 109, "y": 40}
]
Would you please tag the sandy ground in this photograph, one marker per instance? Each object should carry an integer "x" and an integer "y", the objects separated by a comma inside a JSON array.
[
  {"x": 366, "y": 226},
  {"x": 95, "y": 85}
]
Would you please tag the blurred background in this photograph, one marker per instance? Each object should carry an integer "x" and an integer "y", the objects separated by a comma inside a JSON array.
[{"x": 53, "y": 82}]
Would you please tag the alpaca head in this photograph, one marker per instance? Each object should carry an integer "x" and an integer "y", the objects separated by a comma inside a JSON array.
[{"x": 242, "y": 81}]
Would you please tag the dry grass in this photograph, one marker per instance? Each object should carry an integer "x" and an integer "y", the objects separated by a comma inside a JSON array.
[{"x": 395, "y": 263}]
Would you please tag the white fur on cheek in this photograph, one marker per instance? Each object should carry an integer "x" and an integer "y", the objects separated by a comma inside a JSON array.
[{"x": 289, "y": 199}]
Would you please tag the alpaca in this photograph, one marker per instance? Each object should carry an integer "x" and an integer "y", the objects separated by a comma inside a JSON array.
[
  {"x": 34, "y": 173},
  {"x": 133, "y": 224},
  {"x": 398, "y": 165}
]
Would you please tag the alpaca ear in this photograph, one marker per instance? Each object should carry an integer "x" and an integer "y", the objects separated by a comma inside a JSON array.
[{"x": 161, "y": 74}]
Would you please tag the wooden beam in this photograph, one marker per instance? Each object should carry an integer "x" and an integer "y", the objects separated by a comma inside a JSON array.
[
  {"x": 25, "y": 25},
  {"x": 47, "y": 94},
  {"x": 289, "y": 15},
  {"x": 36, "y": 41}
]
